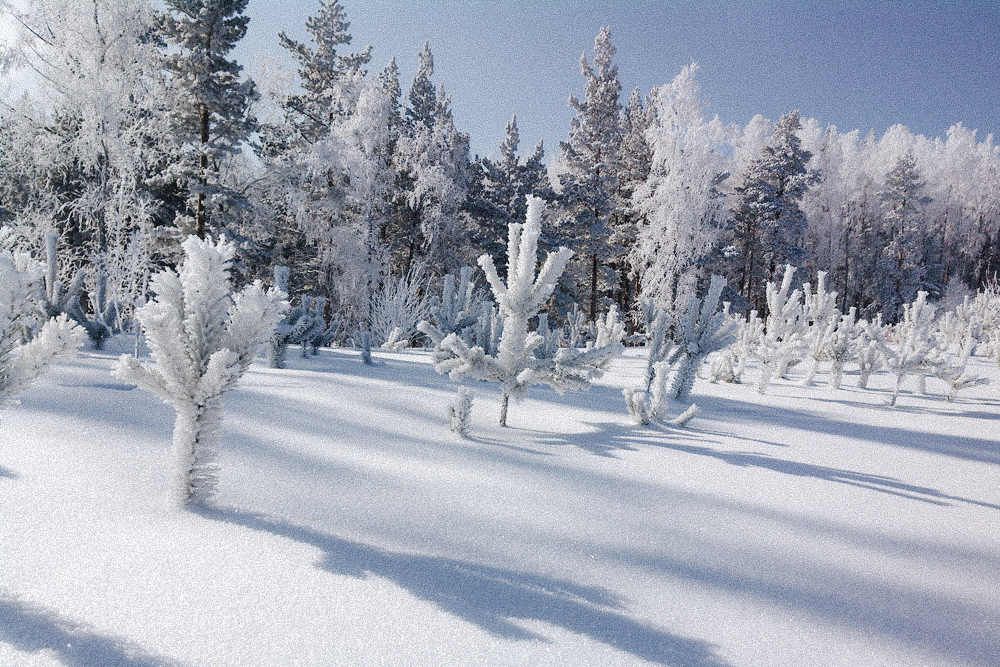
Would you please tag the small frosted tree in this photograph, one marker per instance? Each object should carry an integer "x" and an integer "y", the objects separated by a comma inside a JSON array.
[
  {"x": 782, "y": 342},
  {"x": 23, "y": 357},
  {"x": 821, "y": 320},
  {"x": 841, "y": 346},
  {"x": 869, "y": 349},
  {"x": 915, "y": 351},
  {"x": 515, "y": 366},
  {"x": 202, "y": 338}
]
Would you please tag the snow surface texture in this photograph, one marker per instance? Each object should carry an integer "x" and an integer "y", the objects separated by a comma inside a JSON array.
[{"x": 352, "y": 527}]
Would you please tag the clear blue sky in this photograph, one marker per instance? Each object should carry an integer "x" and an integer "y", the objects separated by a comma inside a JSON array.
[{"x": 864, "y": 65}]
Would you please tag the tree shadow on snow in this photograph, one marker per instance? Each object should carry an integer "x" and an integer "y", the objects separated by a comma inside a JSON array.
[
  {"x": 32, "y": 629},
  {"x": 970, "y": 449},
  {"x": 7, "y": 473},
  {"x": 491, "y": 598},
  {"x": 878, "y": 483}
]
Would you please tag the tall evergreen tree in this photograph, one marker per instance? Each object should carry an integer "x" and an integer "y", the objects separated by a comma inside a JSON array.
[
  {"x": 592, "y": 159},
  {"x": 212, "y": 113}
]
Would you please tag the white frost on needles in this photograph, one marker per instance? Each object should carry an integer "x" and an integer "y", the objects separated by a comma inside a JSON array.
[
  {"x": 23, "y": 357},
  {"x": 202, "y": 338}
]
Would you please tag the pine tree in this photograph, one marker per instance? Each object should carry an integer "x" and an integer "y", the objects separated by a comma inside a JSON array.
[
  {"x": 213, "y": 106},
  {"x": 432, "y": 156},
  {"x": 901, "y": 269},
  {"x": 768, "y": 224},
  {"x": 592, "y": 159},
  {"x": 202, "y": 338},
  {"x": 498, "y": 190},
  {"x": 322, "y": 70}
]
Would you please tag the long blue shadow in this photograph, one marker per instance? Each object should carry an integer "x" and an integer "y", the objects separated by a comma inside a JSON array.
[
  {"x": 878, "y": 483},
  {"x": 7, "y": 473},
  {"x": 31, "y": 629},
  {"x": 491, "y": 597}
]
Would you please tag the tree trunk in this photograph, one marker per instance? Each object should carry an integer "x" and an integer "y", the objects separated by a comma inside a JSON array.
[
  {"x": 199, "y": 224},
  {"x": 593, "y": 287},
  {"x": 195, "y": 439},
  {"x": 503, "y": 409}
]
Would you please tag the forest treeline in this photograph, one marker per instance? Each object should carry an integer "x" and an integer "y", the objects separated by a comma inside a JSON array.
[{"x": 140, "y": 130}]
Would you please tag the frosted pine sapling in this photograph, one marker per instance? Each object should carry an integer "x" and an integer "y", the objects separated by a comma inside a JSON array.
[
  {"x": 24, "y": 356},
  {"x": 56, "y": 299},
  {"x": 702, "y": 330},
  {"x": 952, "y": 367},
  {"x": 661, "y": 355},
  {"x": 821, "y": 319},
  {"x": 514, "y": 365},
  {"x": 457, "y": 311},
  {"x": 915, "y": 350},
  {"x": 460, "y": 411},
  {"x": 748, "y": 337},
  {"x": 291, "y": 327},
  {"x": 869, "y": 347},
  {"x": 202, "y": 338},
  {"x": 842, "y": 346},
  {"x": 782, "y": 341}
]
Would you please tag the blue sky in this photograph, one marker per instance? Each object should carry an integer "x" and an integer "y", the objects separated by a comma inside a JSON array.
[{"x": 864, "y": 65}]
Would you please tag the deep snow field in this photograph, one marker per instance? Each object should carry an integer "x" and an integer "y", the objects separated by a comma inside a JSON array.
[{"x": 802, "y": 528}]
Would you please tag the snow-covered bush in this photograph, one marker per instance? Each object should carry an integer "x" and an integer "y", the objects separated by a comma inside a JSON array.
[
  {"x": 25, "y": 350},
  {"x": 749, "y": 333},
  {"x": 952, "y": 366},
  {"x": 702, "y": 330},
  {"x": 400, "y": 304},
  {"x": 457, "y": 311},
  {"x": 202, "y": 338},
  {"x": 515, "y": 366}
]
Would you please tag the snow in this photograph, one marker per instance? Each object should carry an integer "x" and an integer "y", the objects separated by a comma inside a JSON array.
[{"x": 352, "y": 527}]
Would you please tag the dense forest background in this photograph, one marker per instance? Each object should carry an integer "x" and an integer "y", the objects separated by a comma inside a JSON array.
[{"x": 140, "y": 130}]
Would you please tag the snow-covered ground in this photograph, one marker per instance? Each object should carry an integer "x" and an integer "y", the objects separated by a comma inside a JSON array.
[{"x": 805, "y": 527}]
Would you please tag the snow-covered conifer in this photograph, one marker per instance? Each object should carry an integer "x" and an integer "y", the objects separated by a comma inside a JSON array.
[
  {"x": 202, "y": 338},
  {"x": 24, "y": 356},
  {"x": 457, "y": 311},
  {"x": 292, "y": 326},
  {"x": 703, "y": 330},
  {"x": 515, "y": 365},
  {"x": 748, "y": 336},
  {"x": 958, "y": 348}
]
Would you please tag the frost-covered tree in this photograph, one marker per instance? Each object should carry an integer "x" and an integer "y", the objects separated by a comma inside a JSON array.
[
  {"x": 680, "y": 201},
  {"x": 25, "y": 348},
  {"x": 702, "y": 330},
  {"x": 957, "y": 339},
  {"x": 841, "y": 346},
  {"x": 202, "y": 338},
  {"x": 212, "y": 104},
  {"x": 869, "y": 349},
  {"x": 432, "y": 156},
  {"x": 515, "y": 365}
]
